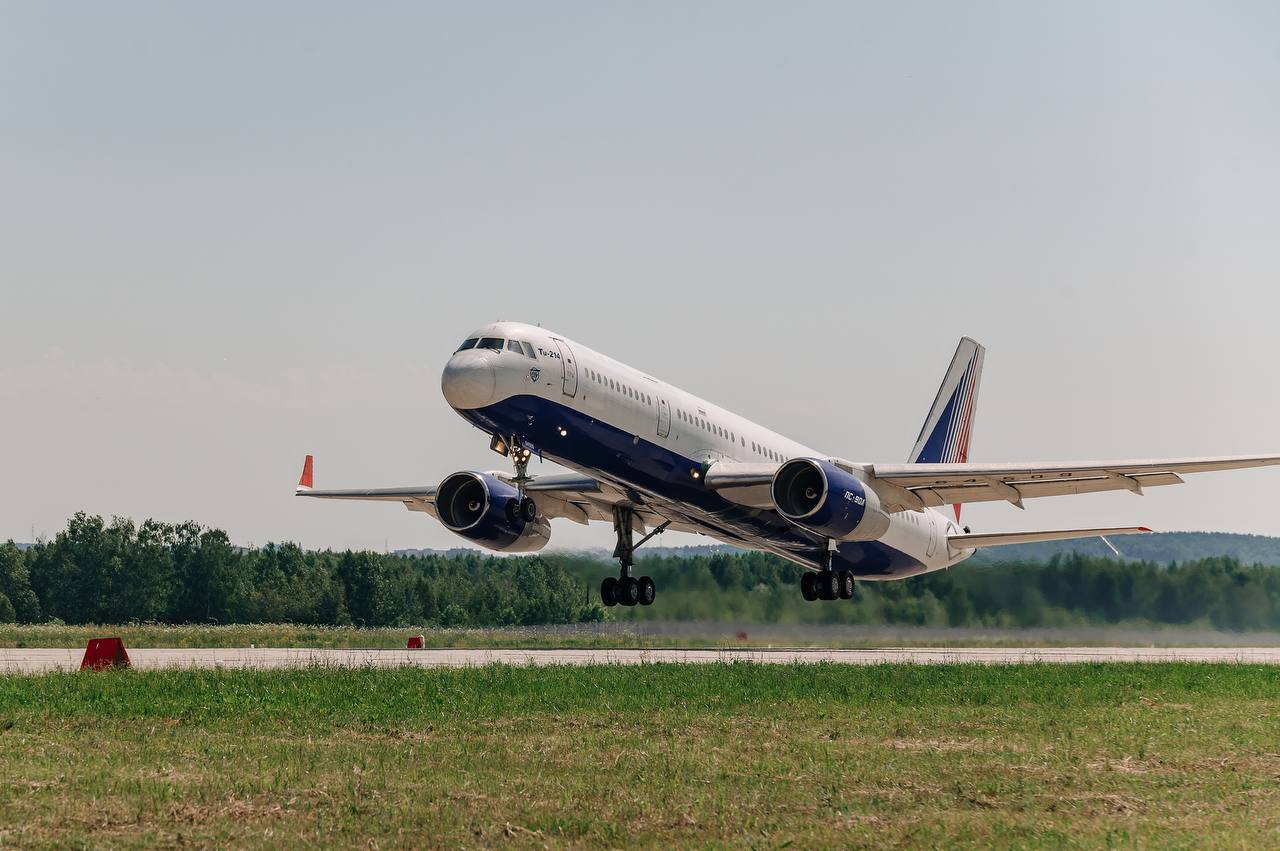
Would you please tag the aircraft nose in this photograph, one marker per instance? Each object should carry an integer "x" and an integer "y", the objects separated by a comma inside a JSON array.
[{"x": 468, "y": 380}]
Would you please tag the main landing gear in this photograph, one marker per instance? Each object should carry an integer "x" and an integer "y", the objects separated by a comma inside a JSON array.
[
  {"x": 827, "y": 584},
  {"x": 626, "y": 590}
]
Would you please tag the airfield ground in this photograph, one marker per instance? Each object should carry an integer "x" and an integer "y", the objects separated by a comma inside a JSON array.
[
  {"x": 38, "y": 660},
  {"x": 745, "y": 755},
  {"x": 657, "y": 634}
]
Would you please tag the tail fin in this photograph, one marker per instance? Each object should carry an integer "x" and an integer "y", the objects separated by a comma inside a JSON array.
[{"x": 944, "y": 439}]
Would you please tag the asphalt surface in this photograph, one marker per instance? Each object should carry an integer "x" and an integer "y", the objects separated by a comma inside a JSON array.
[{"x": 35, "y": 660}]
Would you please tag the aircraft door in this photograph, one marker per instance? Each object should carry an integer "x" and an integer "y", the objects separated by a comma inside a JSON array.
[
  {"x": 570, "y": 368},
  {"x": 664, "y": 418}
]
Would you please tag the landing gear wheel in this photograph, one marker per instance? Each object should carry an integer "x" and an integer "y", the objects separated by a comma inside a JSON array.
[
  {"x": 528, "y": 510},
  {"x": 809, "y": 586},
  {"x": 828, "y": 585},
  {"x": 648, "y": 591},
  {"x": 513, "y": 510},
  {"x": 628, "y": 591},
  {"x": 846, "y": 584},
  {"x": 609, "y": 591}
]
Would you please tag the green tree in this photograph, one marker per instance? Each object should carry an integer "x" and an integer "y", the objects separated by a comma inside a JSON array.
[{"x": 15, "y": 584}]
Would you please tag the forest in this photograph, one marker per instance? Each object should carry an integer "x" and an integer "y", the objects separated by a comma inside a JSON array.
[{"x": 119, "y": 571}]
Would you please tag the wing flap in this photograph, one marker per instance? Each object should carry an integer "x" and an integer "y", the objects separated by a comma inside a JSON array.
[{"x": 1032, "y": 489}]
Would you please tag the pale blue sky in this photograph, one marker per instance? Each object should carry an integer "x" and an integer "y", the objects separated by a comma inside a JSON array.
[{"x": 231, "y": 234}]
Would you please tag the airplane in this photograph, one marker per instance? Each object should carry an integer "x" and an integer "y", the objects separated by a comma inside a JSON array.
[{"x": 648, "y": 456}]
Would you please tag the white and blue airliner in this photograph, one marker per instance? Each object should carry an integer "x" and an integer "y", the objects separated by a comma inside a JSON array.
[{"x": 648, "y": 456}]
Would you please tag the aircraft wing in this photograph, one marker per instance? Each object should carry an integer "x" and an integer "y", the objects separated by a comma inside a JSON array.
[
  {"x": 914, "y": 486},
  {"x": 903, "y": 487},
  {"x": 571, "y": 496}
]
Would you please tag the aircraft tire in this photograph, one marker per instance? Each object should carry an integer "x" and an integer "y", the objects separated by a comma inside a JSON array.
[
  {"x": 609, "y": 591},
  {"x": 528, "y": 509},
  {"x": 809, "y": 586},
  {"x": 628, "y": 591},
  {"x": 828, "y": 585},
  {"x": 846, "y": 584},
  {"x": 648, "y": 591}
]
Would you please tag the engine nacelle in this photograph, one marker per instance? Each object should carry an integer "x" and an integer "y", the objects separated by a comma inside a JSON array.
[
  {"x": 819, "y": 496},
  {"x": 483, "y": 508}
]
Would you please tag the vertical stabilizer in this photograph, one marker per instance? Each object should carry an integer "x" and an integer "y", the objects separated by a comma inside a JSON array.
[{"x": 944, "y": 439}]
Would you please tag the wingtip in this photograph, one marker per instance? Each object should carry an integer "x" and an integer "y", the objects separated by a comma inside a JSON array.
[
  {"x": 1144, "y": 529},
  {"x": 306, "y": 480}
]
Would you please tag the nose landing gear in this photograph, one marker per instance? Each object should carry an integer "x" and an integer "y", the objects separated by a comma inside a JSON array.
[
  {"x": 627, "y": 590},
  {"x": 524, "y": 508}
]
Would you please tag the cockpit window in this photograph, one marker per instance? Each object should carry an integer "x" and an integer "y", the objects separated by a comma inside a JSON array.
[
  {"x": 468, "y": 343},
  {"x": 514, "y": 346},
  {"x": 528, "y": 350},
  {"x": 490, "y": 343}
]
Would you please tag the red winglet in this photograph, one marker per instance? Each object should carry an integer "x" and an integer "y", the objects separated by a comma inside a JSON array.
[
  {"x": 305, "y": 481},
  {"x": 1144, "y": 528}
]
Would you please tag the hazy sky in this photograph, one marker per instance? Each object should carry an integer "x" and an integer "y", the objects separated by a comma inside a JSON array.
[{"x": 235, "y": 233}]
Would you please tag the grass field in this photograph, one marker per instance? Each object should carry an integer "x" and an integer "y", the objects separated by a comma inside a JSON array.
[
  {"x": 604, "y": 635},
  {"x": 738, "y": 755}
]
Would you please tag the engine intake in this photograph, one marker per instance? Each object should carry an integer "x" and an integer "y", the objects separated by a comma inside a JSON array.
[
  {"x": 819, "y": 496},
  {"x": 482, "y": 508}
]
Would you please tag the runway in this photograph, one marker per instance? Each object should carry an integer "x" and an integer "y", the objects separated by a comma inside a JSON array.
[{"x": 37, "y": 660}]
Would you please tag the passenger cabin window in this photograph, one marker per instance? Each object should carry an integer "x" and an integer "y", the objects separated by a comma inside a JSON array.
[
  {"x": 468, "y": 343},
  {"x": 490, "y": 343}
]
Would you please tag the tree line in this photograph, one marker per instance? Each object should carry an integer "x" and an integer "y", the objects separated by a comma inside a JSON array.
[
  {"x": 1067, "y": 590},
  {"x": 98, "y": 571}
]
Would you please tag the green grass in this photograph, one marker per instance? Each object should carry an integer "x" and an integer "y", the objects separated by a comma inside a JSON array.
[{"x": 725, "y": 755}]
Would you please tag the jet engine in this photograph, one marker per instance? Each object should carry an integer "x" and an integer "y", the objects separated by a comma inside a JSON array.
[
  {"x": 482, "y": 508},
  {"x": 819, "y": 496}
]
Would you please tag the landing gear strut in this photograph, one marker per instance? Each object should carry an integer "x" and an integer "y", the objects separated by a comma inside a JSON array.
[
  {"x": 524, "y": 508},
  {"x": 626, "y": 590},
  {"x": 827, "y": 584}
]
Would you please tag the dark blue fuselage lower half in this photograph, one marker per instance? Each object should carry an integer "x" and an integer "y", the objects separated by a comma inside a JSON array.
[{"x": 656, "y": 476}]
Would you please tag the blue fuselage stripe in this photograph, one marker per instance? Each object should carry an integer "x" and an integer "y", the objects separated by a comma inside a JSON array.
[{"x": 661, "y": 477}]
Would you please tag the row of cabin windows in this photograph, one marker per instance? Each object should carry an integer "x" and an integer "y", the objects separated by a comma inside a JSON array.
[
  {"x": 619, "y": 387},
  {"x": 520, "y": 347},
  {"x": 706, "y": 425},
  {"x": 767, "y": 452},
  {"x": 702, "y": 423}
]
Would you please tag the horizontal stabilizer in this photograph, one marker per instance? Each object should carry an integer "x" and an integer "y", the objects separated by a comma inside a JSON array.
[{"x": 1000, "y": 539}]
